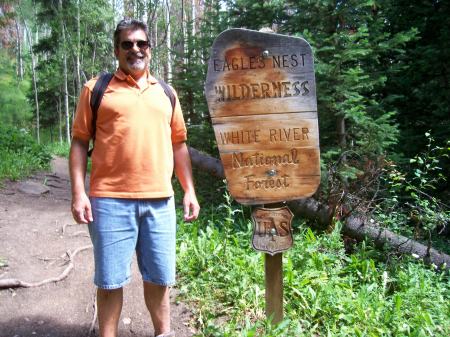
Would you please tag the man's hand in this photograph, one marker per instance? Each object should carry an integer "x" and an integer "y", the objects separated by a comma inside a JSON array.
[
  {"x": 191, "y": 207},
  {"x": 81, "y": 206},
  {"x": 81, "y": 209},
  {"x": 183, "y": 171}
]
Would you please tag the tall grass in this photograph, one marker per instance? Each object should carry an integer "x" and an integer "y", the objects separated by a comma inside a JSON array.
[
  {"x": 328, "y": 291},
  {"x": 59, "y": 149},
  {"x": 18, "y": 165}
]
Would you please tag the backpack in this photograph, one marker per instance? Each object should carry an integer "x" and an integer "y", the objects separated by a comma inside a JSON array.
[{"x": 97, "y": 95}]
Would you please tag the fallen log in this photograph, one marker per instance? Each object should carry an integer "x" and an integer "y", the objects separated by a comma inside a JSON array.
[{"x": 356, "y": 225}]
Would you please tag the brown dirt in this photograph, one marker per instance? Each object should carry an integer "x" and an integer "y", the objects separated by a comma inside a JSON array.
[{"x": 36, "y": 231}]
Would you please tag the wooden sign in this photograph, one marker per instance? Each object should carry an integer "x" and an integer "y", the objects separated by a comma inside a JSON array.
[
  {"x": 272, "y": 230},
  {"x": 261, "y": 94}
]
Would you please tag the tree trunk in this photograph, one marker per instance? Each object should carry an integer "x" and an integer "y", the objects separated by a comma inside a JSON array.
[
  {"x": 19, "y": 51},
  {"x": 140, "y": 11},
  {"x": 113, "y": 22},
  {"x": 113, "y": 27},
  {"x": 33, "y": 71},
  {"x": 183, "y": 33},
  {"x": 156, "y": 32},
  {"x": 77, "y": 65},
  {"x": 342, "y": 139},
  {"x": 36, "y": 37},
  {"x": 58, "y": 109},
  {"x": 357, "y": 226},
  {"x": 94, "y": 50},
  {"x": 194, "y": 18},
  {"x": 65, "y": 89},
  {"x": 128, "y": 6},
  {"x": 168, "y": 41}
]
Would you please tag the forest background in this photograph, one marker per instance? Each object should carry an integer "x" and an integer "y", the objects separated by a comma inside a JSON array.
[{"x": 383, "y": 90}]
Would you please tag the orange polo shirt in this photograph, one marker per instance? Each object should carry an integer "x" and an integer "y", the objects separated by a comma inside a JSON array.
[{"x": 133, "y": 156}]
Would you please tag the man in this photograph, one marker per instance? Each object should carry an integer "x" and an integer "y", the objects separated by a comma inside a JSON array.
[{"x": 139, "y": 140}]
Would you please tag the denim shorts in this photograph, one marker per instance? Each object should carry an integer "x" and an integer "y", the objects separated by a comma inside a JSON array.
[{"x": 122, "y": 226}]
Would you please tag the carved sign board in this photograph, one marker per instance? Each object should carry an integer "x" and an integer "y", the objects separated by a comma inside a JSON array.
[
  {"x": 272, "y": 230},
  {"x": 261, "y": 95}
]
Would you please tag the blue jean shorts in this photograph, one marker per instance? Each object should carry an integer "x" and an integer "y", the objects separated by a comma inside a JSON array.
[{"x": 122, "y": 226}]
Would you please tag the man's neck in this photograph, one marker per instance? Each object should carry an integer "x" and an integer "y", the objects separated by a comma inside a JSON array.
[{"x": 140, "y": 77}]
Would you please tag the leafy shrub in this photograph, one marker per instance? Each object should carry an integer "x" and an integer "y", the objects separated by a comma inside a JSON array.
[
  {"x": 413, "y": 205},
  {"x": 326, "y": 291},
  {"x": 20, "y": 154}
]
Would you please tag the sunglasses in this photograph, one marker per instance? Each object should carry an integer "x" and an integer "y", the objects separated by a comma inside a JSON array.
[{"x": 127, "y": 45}]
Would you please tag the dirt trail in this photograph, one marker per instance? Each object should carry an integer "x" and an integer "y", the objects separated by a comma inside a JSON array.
[{"x": 36, "y": 232}]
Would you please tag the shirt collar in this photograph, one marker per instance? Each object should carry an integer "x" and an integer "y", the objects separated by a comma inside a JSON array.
[{"x": 124, "y": 77}]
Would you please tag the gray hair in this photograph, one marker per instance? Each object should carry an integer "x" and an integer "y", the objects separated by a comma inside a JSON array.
[{"x": 129, "y": 24}]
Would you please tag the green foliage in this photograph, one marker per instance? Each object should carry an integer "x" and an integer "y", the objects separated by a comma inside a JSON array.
[
  {"x": 191, "y": 64},
  {"x": 14, "y": 107},
  {"x": 326, "y": 291},
  {"x": 201, "y": 136},
  {"x": 20, "y": 154},
  {"x": 420, "y": 83},
  {"x": 412, "y": 206},
  {"x": 94, "y": 50},
  {"x": 59, "y": 149}
]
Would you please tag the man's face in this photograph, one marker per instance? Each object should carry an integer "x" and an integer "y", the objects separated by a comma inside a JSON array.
[{"x": 133, "y": 61}]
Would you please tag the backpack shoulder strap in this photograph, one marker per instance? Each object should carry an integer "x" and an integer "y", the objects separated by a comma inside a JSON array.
[
  {"x": 98, "y": 91},
  {"x": 96, "y": 98},
  {"x": 169, "y": 93}
]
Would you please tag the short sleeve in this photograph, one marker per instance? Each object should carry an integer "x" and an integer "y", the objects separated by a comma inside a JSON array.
[
  {"x": 179, "y": 133},
  {"x": 82, "y": 124}
]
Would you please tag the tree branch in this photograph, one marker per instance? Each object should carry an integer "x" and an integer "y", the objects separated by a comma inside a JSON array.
[{"x": 15, "y": 283}]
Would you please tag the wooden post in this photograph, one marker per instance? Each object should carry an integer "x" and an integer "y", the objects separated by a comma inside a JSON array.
[
  {"x": 274, "y": 287},
  {"x": 272, "y": 234}
]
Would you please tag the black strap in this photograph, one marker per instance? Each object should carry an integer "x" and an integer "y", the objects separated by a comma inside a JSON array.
[
  {"x": 99, "y": 90},
  {"x": 96, "y": 98}
]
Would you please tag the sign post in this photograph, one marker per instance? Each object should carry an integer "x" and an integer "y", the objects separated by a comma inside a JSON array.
[{"x": 261, "y": 95}]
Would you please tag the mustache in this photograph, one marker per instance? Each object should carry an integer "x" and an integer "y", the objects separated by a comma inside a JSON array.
[{"x": 138, "y": 54}]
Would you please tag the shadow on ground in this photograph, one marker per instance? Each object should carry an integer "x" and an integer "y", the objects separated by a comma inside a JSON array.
[{"x": 42, "y": 326}]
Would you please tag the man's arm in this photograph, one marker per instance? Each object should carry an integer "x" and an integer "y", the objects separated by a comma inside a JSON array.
[
  {"x": 81, "y": 206},
  {"x": 183, "y": 170}
]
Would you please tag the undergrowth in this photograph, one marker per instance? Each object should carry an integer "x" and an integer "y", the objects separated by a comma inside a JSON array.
[
  {"x": 416, "y": 201},
  {"x": 59, "y": 149},
  {"x": 20, "y": 154},
  {"x": 327, "y": 292}
]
